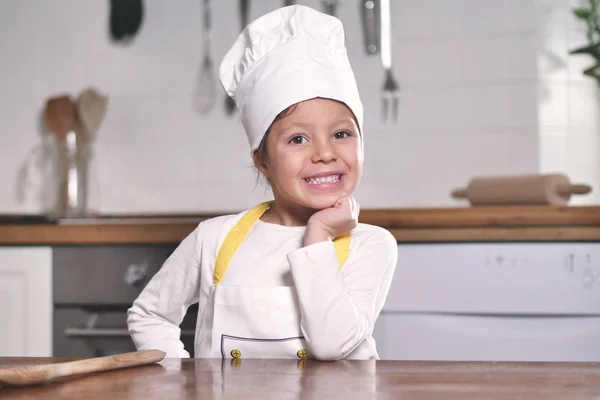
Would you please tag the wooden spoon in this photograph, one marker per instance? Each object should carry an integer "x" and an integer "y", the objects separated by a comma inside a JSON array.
[
  {"x": 60, "y": 115},
  {"x": 39, "y": 374},
  {"x": 91, "y": 107}
]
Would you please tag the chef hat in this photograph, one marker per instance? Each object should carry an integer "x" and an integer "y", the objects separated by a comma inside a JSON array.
[{"x": 287, "y": 56}]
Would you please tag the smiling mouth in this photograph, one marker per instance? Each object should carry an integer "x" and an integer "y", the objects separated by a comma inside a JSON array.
[{"x": 323, "y": 179}]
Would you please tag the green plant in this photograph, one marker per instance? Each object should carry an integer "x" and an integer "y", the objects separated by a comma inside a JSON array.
[{"x": 589, "y": 16}]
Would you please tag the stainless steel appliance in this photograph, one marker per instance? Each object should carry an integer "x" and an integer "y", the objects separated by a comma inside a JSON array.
[{"x": 93, "y": 286}]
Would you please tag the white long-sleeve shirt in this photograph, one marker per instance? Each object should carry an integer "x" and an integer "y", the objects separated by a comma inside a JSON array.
[{"x": 338, "y": 308}]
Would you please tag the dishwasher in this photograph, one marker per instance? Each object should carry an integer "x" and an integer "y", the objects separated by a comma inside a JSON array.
[
  {"x": 537, "y": 301},
  {"x": 93, "y": 286}
]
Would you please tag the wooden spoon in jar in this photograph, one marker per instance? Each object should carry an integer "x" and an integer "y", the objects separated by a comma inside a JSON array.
[
  {"x": 91, "y": 107},
  {"x": 60, "y": 115}
]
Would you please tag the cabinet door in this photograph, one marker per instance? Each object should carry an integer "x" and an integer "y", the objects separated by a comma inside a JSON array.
[{"x": 26, "y": 301}]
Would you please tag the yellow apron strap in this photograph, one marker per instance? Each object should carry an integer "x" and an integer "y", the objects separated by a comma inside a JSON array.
[
  {"x": 237, "y": 234},
  {"x": 342, "y": 248}
]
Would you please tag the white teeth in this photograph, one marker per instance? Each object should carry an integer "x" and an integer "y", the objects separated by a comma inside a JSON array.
[{"x": 323, "y": 179}]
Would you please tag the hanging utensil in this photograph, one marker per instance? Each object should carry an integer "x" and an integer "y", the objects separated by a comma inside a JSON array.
[
  {"x": 125, "y": 19},
  {"x": 244, "y": 13},
  {"x": 390, "y": 92},
  {"x": 369, "y": 10},
  {"x": 39, "y": 374},
  {"x": 330, "y": 6},
  {"x": 206, "y": 90},
  {"x": 244, "y": 10}
]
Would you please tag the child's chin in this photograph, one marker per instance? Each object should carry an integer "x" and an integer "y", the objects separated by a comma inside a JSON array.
[{"x": 323, "y": 203}]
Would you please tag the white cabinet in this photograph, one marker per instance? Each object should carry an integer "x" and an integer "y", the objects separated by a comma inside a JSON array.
[{"x": 26, "y": 301}]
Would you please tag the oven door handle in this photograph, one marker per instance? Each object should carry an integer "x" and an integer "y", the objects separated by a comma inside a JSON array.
[{"x": 109, "y": 332}]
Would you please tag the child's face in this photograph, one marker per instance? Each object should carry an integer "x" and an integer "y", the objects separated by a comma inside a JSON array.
[{"x": 314, "y": 154}]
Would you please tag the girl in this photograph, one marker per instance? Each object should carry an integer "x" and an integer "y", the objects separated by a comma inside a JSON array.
[{"x": 297, "y": 277}]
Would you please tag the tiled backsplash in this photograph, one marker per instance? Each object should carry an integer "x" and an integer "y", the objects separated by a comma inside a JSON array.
[
  {"x": 569, "y": 105},
  {"x": 477, "y": 97}
]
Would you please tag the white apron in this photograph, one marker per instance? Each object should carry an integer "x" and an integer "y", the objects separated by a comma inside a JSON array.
[{"x": 253, "y": 322}]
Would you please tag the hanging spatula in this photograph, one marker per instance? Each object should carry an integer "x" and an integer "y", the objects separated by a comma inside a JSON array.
[{"x": 38, "y": 374}]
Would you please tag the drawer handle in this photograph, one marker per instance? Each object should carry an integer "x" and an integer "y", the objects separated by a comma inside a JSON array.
[{"x": 109, "y": 332}]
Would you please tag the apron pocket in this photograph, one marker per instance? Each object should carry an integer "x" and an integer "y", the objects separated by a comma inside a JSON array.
[
  {"x": 255, "y": 322},
  {"x": 243, "y": 347}
]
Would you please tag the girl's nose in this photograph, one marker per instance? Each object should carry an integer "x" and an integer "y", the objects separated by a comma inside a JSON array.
[{"x": 324, "y": 151}]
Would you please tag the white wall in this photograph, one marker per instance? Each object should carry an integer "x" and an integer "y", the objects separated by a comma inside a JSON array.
[
  {"x": 468, "y": 71},
  {"x": 569, "y": 105}
]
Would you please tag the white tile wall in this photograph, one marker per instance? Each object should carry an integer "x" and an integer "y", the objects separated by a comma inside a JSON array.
[
  {"x": 569, "y": 106},
  {"x": 469, "y": 72}
]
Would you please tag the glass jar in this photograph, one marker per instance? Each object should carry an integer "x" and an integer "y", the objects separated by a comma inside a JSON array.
[{"x": 74, "y": 153}]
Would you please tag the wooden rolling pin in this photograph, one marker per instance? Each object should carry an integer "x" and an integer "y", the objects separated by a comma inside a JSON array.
[
  {"x": 38, "y": 374},
  {"x": 549, "y": 189}
]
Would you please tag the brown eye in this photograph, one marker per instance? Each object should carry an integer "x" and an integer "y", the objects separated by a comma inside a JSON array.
[
  {"x": 297, "y": 140},
  {"x": 342, "y": 134}
]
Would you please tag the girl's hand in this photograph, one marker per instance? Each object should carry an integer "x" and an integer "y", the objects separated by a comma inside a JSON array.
[{"x": 332, "y": 222}]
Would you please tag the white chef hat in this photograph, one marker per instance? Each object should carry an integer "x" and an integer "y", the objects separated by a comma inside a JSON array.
[{"x": 287, "y": 56}]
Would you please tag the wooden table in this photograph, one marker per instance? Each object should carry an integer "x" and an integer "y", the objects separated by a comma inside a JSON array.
[{"x": 290, "y": 379}]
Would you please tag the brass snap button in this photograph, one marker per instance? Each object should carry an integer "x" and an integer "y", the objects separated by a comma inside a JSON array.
[{"x": 302, "y": 353}]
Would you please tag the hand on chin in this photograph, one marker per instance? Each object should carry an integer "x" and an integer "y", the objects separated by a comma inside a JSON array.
[{"x": 334, "y": 221}]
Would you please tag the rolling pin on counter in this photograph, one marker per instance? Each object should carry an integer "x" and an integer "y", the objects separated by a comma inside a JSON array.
[{"x": 548, "y": 189}]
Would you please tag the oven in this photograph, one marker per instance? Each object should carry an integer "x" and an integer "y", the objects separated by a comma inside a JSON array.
[{"x": 93, "y": 286}]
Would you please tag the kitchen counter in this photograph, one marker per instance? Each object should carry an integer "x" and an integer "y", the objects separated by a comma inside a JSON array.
[
  {"x": 461, "y": 224},
  {"x": 291, "y": 379}
]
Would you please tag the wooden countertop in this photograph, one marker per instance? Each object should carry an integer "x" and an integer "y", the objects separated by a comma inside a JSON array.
[
  {"x": 291, "y": 379},
  {"x": 465, "y": 224}
]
